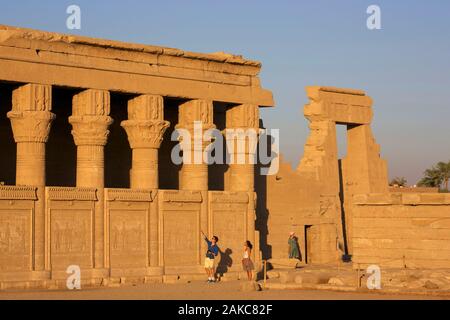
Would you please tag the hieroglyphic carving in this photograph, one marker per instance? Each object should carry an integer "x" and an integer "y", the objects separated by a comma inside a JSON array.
[
  {"x": 243, "y": 116},
  {"x": 230, "y": 227},
  {"x": 181, "y": 237},
  {"x": 15, "y": 240},
  {"x": 71, "y": 237},
  {"x": 128, "y": 238},
  {"x": 32, "y": 97},
  {"x": 196, "y": 110},
  {"x": 91, "y": 102}
]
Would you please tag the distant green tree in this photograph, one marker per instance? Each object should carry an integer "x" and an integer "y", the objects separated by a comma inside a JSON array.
[
  {"x": 398, "y": 181},
  {"x": 437, "y": 176}
]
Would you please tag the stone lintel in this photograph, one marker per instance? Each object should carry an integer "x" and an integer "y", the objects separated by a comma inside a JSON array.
[{"x": 82, "y": 62}]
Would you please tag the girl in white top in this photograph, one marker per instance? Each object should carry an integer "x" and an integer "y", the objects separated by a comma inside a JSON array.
[{"x": 247, "y": 263}]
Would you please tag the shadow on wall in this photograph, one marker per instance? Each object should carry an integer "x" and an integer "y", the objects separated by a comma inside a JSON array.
[
  {"x": 262, "y": 211},
  {"x": 226, "y": 261}
]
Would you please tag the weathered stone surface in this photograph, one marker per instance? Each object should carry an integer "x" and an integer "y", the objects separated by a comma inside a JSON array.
[{"x": 248, "y": 286}]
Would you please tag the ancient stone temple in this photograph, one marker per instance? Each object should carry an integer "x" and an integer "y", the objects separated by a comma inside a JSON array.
[
  {"x": 87, "y": 178},
  {"x": 343, "y": 208}
]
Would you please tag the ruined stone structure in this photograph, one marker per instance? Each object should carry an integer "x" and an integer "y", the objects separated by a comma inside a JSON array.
[
  {"x": 344, "y": 207},
  {"x": 85, "y": 134},
  {"x": 87, "y": 178}
]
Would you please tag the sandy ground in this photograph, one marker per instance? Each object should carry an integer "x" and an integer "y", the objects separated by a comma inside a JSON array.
[{"x": 198, "y": 290}]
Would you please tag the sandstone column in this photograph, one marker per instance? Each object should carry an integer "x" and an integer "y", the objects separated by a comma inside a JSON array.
[
  {"x": 242, "y": 138},
  {"x": 242, "y": 123},
  {"x": 31, "y": 120},
  {"x": 90, "y": 121},
  {"x": 194, "y": 175},
  {"x": 145, "y": 128}
]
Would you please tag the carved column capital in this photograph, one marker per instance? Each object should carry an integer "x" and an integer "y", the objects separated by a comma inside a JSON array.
[
  {"x": 30, "y": 115},
  {"x": 90, "y": 118},
  {"x": 145, "y": 133},
  {"x": 31, "y": 126},
  {"x": 90, "y": 130},
  {"x": 145, "y": 126}
]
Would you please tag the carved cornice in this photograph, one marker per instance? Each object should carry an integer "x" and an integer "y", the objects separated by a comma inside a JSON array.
[
  {"x": 90, "y": 130},
  {"x": 132, "y": 195},
  {"x": 71, "y": 194},
  {"x": 182, "y": 196},
  {"x": 229, "y": 197},
  {"x": 31, "y": 126},
  {"x": 18, "y": 193}
]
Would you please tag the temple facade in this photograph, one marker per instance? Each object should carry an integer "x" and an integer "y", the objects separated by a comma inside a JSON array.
[{"x": 86, "y": 170}]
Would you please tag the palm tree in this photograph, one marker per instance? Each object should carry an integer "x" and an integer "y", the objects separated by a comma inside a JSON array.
[
  {"x": 437, "y": 176},
  {"x": 399, "y": 182}
]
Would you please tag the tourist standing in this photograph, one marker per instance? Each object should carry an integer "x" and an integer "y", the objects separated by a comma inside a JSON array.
[
  {"x": 294, "y": 250},
  {"x": 247, "y": 262},
  {"x": 211, "y": 253}
]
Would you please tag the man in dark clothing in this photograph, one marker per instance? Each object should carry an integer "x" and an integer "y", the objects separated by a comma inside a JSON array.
[{"x": 211, "y": 253}]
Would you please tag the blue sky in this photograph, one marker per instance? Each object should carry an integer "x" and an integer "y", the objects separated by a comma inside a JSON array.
[{"x": 405, "y": 67}]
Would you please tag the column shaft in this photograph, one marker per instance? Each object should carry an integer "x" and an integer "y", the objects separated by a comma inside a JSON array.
[
  {"x": 30, "y": 164},
  {"x": 90, "y": 166},
  {"x": 144, "y": 171}
]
